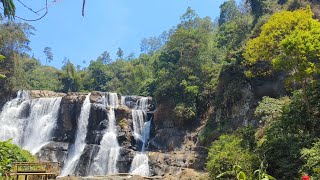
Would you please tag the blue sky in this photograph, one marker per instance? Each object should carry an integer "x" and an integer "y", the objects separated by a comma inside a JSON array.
[{"x": 107, "y": 25}]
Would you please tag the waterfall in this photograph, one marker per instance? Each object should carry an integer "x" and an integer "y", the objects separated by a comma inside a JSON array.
[
  {"x": 110, "y": 99},
  {"x": 138, "y": 117},
  {"x": 142, "y": 104},
  {"x": 29, "y": 122},
  {"x": 41, "y": 122},
  {"x": 123, "y": 100},
  {"x": 11, "y": 118},
  {"x": 140, "y": 162},
  {"x": 105, "y": 162},
  {"x": 79, "y": 144}
]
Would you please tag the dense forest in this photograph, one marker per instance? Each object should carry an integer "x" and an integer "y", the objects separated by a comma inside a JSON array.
[{"x": 182, "y": 68}]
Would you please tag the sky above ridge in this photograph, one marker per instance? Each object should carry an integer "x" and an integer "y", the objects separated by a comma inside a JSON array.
[{"x": 107, "y": 25}]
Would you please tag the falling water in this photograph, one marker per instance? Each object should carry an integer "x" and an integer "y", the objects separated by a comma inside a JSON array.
[
  {"x": 31, "y": 131},
  {"x": 105, "y": 162},
  {"x": 140, "y": 162},
  {"x": 79, "y": 144},
  {"x": 138, "y": 123},
  {"x": 110, "y": 99},
  {"x": 41, "y": 122},
  {"x": 11, "y": 118},
  {"x": 142, "y": 103},
  {"x": 123, "y": 100}
]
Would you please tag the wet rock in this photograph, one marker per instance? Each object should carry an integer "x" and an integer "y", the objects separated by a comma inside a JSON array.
[
  {"x": 67, "y": 121},
  {"x": 86, "y": 159},
  {"x": 53, "y": 152},
  {"x": 125, "y": 159},
  {"x": 98, "y": 122}
]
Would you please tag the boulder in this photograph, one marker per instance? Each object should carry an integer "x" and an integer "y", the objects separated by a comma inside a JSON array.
[{"x": 53, "y": 152}]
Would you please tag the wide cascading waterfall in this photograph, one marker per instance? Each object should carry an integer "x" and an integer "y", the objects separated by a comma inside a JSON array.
[
  {"x": 13, "y": 118},
  {"x": 105, "y": 163},
  {"x": 140, "y": 162},
  {"x": 41, "y": 122},
  {"x": 79, "y": 144},
  {"x": 29, "y": 122}
]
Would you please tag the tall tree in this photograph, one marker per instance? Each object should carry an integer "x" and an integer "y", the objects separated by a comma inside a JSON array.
[
  {"x": 120, "y": 53},
  {"x": 49, "y": 55},
  {"x": 69, "y": 77},
  {"x": 228, "y": 11},
  {"x": 105, "y": 57},
  {"x": 189, "y": 19}
]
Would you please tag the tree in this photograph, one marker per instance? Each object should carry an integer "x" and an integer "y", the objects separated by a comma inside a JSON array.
[
  {"x": 120, "y": 53},
  {"x": 150, "y": 45},
  {"x": 189, "y": 19},
  {"x": 290, "y": 42},
  {"x": 105, "y": 57},
  {"x": 13, "y": 45},
  {"x": 228, "y": 12},
  {"x": 49, "y": 55},
  {"x": 69, "y": 77},
  {"x": 9, "y": 8}
]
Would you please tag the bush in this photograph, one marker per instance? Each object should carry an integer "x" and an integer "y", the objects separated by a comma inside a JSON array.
[
  {"x": 312, "y": 158},
  {"x": 10, "y": 153},
  {"x": 295, "y": 130},
  {"x": 228, "y": 152}
]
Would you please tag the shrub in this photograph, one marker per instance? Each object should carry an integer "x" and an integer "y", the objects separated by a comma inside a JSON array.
[
  {"x": 228, "y": 152},
  {"x": 10, "y": 153},
  {"x": 312, "y": 158}
]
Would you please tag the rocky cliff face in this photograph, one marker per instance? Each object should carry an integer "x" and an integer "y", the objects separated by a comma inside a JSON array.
[
  {"x": 236, "y": 99},
  {"x": 232, "y": 107}
]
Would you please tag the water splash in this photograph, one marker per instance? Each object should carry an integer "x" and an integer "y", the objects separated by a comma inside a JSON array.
[
  {"x": 140, "y": 165},
  {"x": 79, "y": 144}
]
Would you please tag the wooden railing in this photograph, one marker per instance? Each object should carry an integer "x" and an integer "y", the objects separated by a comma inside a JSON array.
[{"x": 34, "y": 170}]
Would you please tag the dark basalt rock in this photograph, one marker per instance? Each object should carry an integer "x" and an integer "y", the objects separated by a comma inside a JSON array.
[
  {"x": 86, "y": 159},
  {"x": 67, "y": 121},
  {"x": 125, "y": 159},
  {"x": 54, "y": 152}
]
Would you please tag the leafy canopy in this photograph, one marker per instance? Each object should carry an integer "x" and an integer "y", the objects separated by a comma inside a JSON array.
[{"x": 290, "y": 41}]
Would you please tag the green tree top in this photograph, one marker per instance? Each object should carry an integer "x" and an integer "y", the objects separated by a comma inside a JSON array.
[{"x": 290, "y": 42}]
